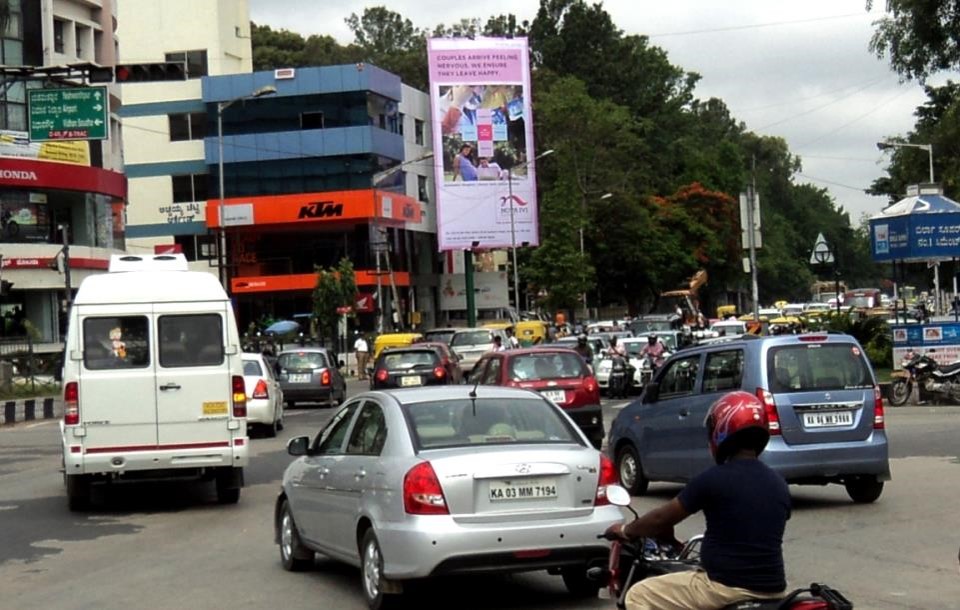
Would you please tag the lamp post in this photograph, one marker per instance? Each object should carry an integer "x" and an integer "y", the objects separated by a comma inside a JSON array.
[
  {"x": 513, "y": 228},
  {"x": 582, "y": 252},
  {"x": 222, "y": 240},
  {"x": 822, "y": 254},
  {"x": 926, "y": 147}
]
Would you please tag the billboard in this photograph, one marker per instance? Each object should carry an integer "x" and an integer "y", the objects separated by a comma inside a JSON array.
[
  {"x": 939, "y": 340},
  {"x": 483, "y": 142},
  {"x": 490, "y": 289}
]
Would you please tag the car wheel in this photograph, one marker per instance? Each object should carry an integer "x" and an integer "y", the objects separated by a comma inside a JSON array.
[
  {"x": 293, "y": 555},
  {"x": 577, "y": 583},
  {"x": 371, "y": 574},
  {"x": 78, "y": 492},
  {"x": 270, "y": 430},
  {"x": 864, "y": 490},
  {"x": 631, "y": 472},
  {"x": 899, "y": 392},
  {"x": 280, "y": 418},
  {"x": 228, "y": 485}
]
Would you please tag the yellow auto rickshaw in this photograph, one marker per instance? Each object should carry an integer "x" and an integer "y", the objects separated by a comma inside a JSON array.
[
  {"x": 531, "y": 332},
  {"x": 725, "y": 311},
  {"x": 394, "y": 340}
]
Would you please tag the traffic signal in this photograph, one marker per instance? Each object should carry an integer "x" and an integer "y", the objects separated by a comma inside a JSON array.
[
  {"x": 143, "y": 73},
  {"x": 5, "y": 287},
  {"x": 100, "y": 74}
]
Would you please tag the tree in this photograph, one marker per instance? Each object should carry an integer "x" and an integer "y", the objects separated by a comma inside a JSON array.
[
  {"x": 335, "y": 287},
  {"x": 388, "y": 40},
  {"x": 920, "y": 36}
]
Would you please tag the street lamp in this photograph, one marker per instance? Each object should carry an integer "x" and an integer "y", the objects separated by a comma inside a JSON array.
[
  {"x": 582, "y": 253},
  {"x": 513, "y": 228},
  {"x": 926, "y": 147},
  {"x": 221, "y": 106}
]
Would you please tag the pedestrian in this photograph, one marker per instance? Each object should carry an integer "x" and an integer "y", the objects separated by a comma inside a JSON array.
[
  {"x": 514, "y": 342},
  {"x": 498, "y": 344},
  {"x": 361, "y": 350}
]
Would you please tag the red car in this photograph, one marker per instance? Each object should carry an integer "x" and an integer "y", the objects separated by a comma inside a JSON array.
[{"x": 559, "y": 374}]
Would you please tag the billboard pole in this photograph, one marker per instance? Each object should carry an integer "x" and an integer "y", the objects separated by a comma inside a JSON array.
[{"x": 468, "y": 287}]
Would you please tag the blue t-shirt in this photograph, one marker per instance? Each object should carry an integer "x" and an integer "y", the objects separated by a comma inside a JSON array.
[
  {"x": 746, "y": 505},
  {"x": 468, "y": 170}
]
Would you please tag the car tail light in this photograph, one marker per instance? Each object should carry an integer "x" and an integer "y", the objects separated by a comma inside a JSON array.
[
  {"x": 422, "y": 494},
  {"x": 590, "y": 384},
  {"x": 439, "y": 372},
  {"x": 770, "y": 408},
  {"x": 325, "y": 378},
  {"x": 878, "y": 420},
  {"x": 239, "y": 397},
  {"x": 382, "y": 375},
  {"x": 261, "y": 390},
  {"x": 608, "y": 476},
  {"x": 71, "y": 404}
]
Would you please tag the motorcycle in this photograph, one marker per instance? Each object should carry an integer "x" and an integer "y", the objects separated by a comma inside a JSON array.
[
  {"x": 621, "y": 376},
  {"x": 929, "y": 376},
  {"x": 632, "y": 561}
]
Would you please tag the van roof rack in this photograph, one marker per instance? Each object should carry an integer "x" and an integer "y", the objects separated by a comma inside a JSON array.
[{"x": 148, "y": 262}]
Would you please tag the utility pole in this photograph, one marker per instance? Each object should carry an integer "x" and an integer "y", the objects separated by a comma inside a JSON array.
[
  {"x": 751, "y": 240},
  {"x": 66, "y": 268}
]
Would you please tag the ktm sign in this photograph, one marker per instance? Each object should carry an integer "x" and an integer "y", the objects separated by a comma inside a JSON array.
[{"x": 321, "y": 209}]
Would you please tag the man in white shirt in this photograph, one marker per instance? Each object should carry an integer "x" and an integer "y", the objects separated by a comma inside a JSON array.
[{"x": 362, "y": 350}]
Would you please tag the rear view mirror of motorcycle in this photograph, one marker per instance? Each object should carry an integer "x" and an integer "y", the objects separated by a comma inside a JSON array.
[{"x": 618, "y": 496}]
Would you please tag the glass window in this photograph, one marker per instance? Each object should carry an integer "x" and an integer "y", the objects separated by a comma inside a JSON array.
[
  {"x": 252, "y": 368},
  {"x": 817, "y": 366},
  {"x": 476, "y": 373},
  {"x": 546, "y": 366},
  {"x": 330, "y": 439},
  {"x": 472, "y": 337},
  {"x": 198, "y": 125},
  {"x": 492, "y": 376},
  {"x": 723, "y": 371},
  {"x": 311, "y": 120},
  {"x": 194, "y": 61},
  {"x": 179, "y": 127},
  {"x": 191, "y": 340},
  {"x": 422, "y": 194},
  {"x": 411, "y": 360},
  {"x": 116, "y": 342},
  {"x": 680, "y": 377},
  {"x": 296, "y": 361},
  {"x": 370, "y": 431},
  {"x": 418, "y": 131},
  {"x": 465, "y": 422},
  {"x": 58, "y": 36},
  {"x": 189, "y": 187}
]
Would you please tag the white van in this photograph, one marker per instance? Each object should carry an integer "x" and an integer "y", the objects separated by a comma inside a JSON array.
[{"x": 153, "y": 380}]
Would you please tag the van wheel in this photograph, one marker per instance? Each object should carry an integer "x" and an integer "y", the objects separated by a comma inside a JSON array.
[
  {"x": 293, "y": 555},
  {"x": 229, "y": 481},
  {"x": 631, "y": 471},
  {"x": 864, "y": 490},
  {"x": 78, "y": 492}
]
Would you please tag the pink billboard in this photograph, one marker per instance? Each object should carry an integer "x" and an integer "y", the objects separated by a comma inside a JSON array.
[{"x": 483, "y": 143}]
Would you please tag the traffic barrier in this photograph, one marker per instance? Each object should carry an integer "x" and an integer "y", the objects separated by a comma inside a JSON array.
[{"x": 30, "y": 409}]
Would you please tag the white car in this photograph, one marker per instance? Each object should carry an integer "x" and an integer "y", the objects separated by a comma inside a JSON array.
[{"x": 264, "y": 396}]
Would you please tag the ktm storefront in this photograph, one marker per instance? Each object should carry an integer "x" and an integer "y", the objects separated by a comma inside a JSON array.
[{"x": 275, "y": 243}]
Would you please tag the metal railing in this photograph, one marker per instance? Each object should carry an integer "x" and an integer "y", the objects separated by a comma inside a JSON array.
[{"x": 22, "y": 366}]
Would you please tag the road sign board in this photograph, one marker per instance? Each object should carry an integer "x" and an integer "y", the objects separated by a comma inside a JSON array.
[
  {"x": 821, "y": 254},
  {"x": 77, "y": 113}
]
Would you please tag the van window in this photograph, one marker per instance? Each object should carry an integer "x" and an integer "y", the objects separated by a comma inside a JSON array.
[
  {"x": 191, "y": 340},
  {"x": 817, "y": 366},
  {"x": 117, "y": 342},
  {"x": 723, "y": 372},
  {"x": 680, "y": 378}
]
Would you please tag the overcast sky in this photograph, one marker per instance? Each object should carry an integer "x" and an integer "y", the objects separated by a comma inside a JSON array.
[{"x": 798, "y": 70}]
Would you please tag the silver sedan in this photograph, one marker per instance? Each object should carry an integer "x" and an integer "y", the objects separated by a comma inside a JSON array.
[{"x": 407, "y": 484}]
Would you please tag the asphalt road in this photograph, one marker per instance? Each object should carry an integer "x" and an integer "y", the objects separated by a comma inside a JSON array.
[{"x": 172, "y": 546}]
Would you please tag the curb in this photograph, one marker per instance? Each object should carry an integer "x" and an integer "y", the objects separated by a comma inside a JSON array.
[{"x": 29, "y": 409}]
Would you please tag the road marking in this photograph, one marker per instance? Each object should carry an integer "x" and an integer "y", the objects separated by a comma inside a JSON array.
[
  {"x": 620, "y": 405},
  {"x": 41, "y": 423}
]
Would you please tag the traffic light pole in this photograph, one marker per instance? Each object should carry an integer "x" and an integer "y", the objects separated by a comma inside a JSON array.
[{"x": 66, "y": 269}]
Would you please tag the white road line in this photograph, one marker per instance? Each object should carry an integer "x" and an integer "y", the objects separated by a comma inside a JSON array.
[
  {"x": 45, "y": 422},
  {"x": 620, "y": 405}
]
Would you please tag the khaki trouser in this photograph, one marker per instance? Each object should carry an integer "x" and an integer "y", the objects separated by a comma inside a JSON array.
[
  {"x": 691, "y": 590},
  {"x": 362, "y": 365}
]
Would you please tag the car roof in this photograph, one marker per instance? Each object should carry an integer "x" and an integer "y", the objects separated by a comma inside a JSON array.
[
  {"x": 408, "y": 396},
  {"x": 537, "y": 349}
]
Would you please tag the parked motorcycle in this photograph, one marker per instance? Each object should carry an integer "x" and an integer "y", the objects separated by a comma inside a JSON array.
[
  {"x": 633, "y": 561},
  {"x": 929, "y": 376}
]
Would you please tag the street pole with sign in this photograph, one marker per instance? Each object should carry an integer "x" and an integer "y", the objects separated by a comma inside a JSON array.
[
  {"x": 513, "y": 228},
  {"x": 823, "y": 255}
]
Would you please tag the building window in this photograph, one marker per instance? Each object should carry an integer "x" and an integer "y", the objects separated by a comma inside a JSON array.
[
  {"x": 58, "y": 36},
  {"x": 418, "y": 131},
  {"x": 400, "y": 122},
  {"x": 191, "y": 126},
  {"x": 311, "y": 120},
  {"x": 422, "y": 189},
  {"x": 189, "y": 188},
  {"x": 195, "y": 62}
]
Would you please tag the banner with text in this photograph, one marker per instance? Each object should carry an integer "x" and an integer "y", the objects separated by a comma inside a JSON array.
[
  {"x": 483, "y": 143},
  {"x": 939, "y": 340}
]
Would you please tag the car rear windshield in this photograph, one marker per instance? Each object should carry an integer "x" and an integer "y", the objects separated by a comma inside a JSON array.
[
  {"x": 411, "y": 360},
  {"x": 443, "y": 336},
  {"x": 302, "y": 360},
  {"x": 534, "y": 367},
  {"x": 483, "y": 421},
  {"x": 472, "y": 337},
  {"x": 818, "y": 366},
  {"x": 252, "y": 368}
]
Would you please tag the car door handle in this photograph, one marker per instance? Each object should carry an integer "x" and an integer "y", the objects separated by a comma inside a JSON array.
[
  {"x": 684, "y": 412},
  {"x": 324, "y": 471},
  {"x": 169, "y": 386},
  {"x": 360, "y": 474}
]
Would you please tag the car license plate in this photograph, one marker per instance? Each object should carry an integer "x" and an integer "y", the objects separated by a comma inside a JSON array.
[
  {"x": 523, "y": 489},
  {"x": 410, "y": 380},
  {"x": 828, "y": 419},
  {"x": 557, "y": 396},
  {"x": 299, "y": 377}
]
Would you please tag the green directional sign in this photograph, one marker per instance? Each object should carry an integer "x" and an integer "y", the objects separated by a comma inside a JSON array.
[{"x": 78, "y": 113}]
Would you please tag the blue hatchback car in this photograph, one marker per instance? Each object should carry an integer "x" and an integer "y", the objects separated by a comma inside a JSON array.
[{"x": 821, "y": 397}]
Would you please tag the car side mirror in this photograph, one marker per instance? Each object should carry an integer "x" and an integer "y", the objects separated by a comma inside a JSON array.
[
  {"x": 651, "y": 392},
  {"x": 298, "y": 445}
]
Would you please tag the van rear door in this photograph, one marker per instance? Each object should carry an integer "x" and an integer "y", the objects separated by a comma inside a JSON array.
[
  {"x": 193, "y": 383},
  {"x": 118, "y": 408}
]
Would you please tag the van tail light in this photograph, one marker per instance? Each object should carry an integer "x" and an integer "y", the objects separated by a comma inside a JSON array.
[
  {"x": 325, "y": 377},
  {"x": 439, "y": 372},
  {"x": 71, "y": 404},
  {"x": 608, "y": 476},
  {"x": 422, "y": 494},
  {"x": 878, "y": 419},
  {"x": 382, "y": 375},
  {"x": 770, "y": 408},
  {"x": 239, "y": 397},
  {"x": 261, "y": 390}
]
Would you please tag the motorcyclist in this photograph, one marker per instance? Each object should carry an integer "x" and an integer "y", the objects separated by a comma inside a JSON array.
[
  {"x": 654, "y": 349},
  {"x": 616, "y": 349},
  {"x": 583, "y": 348},
  {"x": 746, "y": 505}
]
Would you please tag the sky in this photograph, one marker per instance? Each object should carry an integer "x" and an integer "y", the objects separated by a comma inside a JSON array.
[{"x": 797, "y": 70}]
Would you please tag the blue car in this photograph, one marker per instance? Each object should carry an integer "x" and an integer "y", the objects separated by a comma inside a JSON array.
[{"x": 821, "y": 396}]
